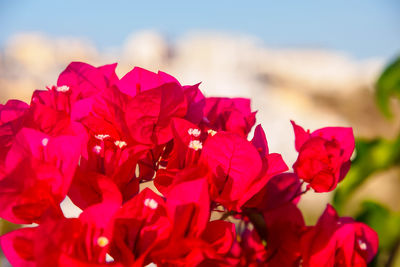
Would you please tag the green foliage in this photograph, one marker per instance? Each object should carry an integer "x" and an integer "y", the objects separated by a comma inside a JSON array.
[
  {"x": 386, "y": 223},
  {"x": 374, "y": 156},
  {"x": 388, "y": 85}
]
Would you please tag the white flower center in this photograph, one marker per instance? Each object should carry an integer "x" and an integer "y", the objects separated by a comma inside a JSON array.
[
  {"x": 62, "y": 88},
  {"x": 101, "y": 136},
  {"x": 97, "y": 149},
  {"x": 151, "y": 203},
  {"x": 211, "y": 132},
  {"x": 45, "y": 141},
  {"x": 120, "y": 144},
  {"x": 109, "y": 258},
  {"x": 195, "y": 144},
  {"x": 194, "y": 131},
  {"x": 362, "y": 245}
]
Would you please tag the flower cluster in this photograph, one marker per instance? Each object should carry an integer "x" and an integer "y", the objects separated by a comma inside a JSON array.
[{"x": 222, "y": 200}]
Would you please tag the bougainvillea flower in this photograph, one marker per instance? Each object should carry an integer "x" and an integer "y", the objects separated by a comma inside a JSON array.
[
  {"x": 39, "y": 170},
  {"x": 149, "y": 114},
  {"x": 76, "y": 87},
  {"x": 86, "y": 188},
  {"x": 235, "y": 164},
  {"x": 239, "y": 171},
  {"x": 220, "y": 234},
  {"x": 229, "y": 114},
  {"x": 193, "y": 239},
  {"x": 140, "y": 80},
  {"x": 185, "y": 152},
  {"x": 28, "y": 247},
  {"x": 189, "y": 206},
  {"x": 338, "y": 241},
  {"x": 285, "y": 226},
  {"x": 260, "y": 141},
  {"x": 11, "y": 121},
  {"x": 19, "y": 247},
  {"x": 167, "y": 179},
  {"x": 59, "y": 151},
  {"x": 171, "y": 231},
  {"x": 280, "y": 190},
  {"x": 29, "y": 191},
  {"x": 209, "y": 249},
  {"x": 248, "y": 250},
  {"x": 324, "y": 156},
  {"x": 141, "y": 225},
  {"x": 58, "y": 241},
  {"x": 12, "y": 110},
  {"x": 106, "y": 157},
  {"x": 83, "y": 241},
  {"x": 196, "y": 103},
  {"x": 99, "y": 139}
]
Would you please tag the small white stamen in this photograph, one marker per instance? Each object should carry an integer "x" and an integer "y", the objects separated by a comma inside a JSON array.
[
  {"x": 194, "y": 131},
  {"x": 362, "y": 245},
  {"x": 45, "y": 141},
  {"x": 102, "y": 241},
  {"x": 151, "y": 203},
  {"x": 212, "y": 132},
  {"x": 109, "y": 258},
  {"x": 97, "y": 149},
  {"x": 62, "y": 88},
  {"x": 120, "y": 144},
  {"x": 195, "y": 144},
  {"x": 101, "y": 136}
]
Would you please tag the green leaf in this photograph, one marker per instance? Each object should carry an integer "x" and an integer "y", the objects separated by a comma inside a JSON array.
[
  {"x": 388, "y": 85},
  {"x": 372, "y": 156}
]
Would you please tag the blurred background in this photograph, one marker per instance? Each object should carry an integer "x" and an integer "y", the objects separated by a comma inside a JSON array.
[{"x": 314, "y": 62}]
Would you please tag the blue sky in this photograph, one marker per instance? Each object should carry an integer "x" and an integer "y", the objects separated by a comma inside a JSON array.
[{"x": 361, "y": 28}]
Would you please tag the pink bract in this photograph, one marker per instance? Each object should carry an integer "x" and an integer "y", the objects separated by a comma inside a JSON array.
[
  {"x": 222, "y": 199},
  {"x": 324, "y": 156}
]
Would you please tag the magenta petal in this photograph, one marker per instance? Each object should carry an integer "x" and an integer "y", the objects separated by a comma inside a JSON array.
[
  {"x": 82, "y": 108},
  {"x": 279, "y": 190},
  {"x": 235, "y": 163},
  {"x": 83, "y": 79},
  {"x": 189, "y": 204},
  {"x": 140, "y": 80},
  {"x": 149, "y": 114},
  {"x": 166, "y": 78},
  {"x": 344, "y": 135},
  {"x": 229, "y": 114},
  {"x": 196, "y": 102},
  {"x": 367, "y": 241},
  {"x": 300, "y": 135},
  {"x": 12, "y": 110},
  {"x": 260, "y": 141},
  {"x": 29, "y": 191},
  {"x": 28, "y": 142},
  {"x": 338, "y": 241},
  {"x": 109, "y": 73},
  {"x": 220, "y": 234},
  {"x": 18, "y": 247}
]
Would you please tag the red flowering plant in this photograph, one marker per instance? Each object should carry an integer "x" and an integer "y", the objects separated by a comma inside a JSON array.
[{"x": 96, "y": 138}]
